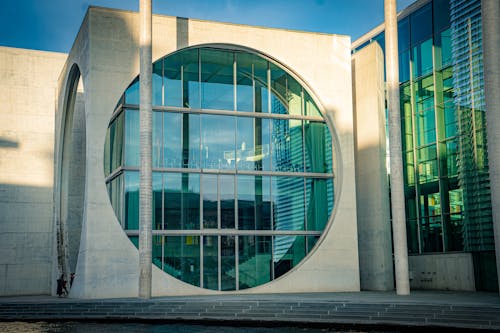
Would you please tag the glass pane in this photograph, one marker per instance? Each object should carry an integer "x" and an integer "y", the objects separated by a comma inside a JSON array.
[
  {"x": 254, "y": 203},
  {"x": 317, "y": 156},
  {"x": 157, "y": 201},
  {"x": 452, "y": 157},
  {"x": 311, "y": 242},
  {"x": 254, "y": 261},
  {"x": 441, "y": 15},
  {"x": 404, "y": 66},
  {"x": 115, "y": 149},
  {"x": 422, "y": 58},
  {"x": 228, "y": 263},
  {"x": 172, "y": 78},
  {"x": 244, "y": 81},
  {"x": 218, "y": 141},
  {"x": 182, "y": 258},
  {"x": 157, "y": 83},
  {"x": 157, "y": 139},
  {"x": 288, "y": 252},
  {"x": 317, "y": 203},
  {"x": 210, "y": 262},
  {"x": 310, "y": 107},
  {"x": 115, "y": 192},
  {"x": 190, "y": 80},
  {"x": 294, "y": 96},
  {"x": 260, "y": 72},
  {"x": 288, "y": 203},
  {"x": 157, "y": 251},
  {"x": 132, "y": 93},
  {"x": 132, "y": 141},
  {"x": 252, "y": 146},
  {"x": 173, "y": 196},
  {"x": 131, "y": 200},
  {"x": 190, "y": 201},
  {"x": 217, "y": 86},
  {"x": 172, "y": 138},
  {"x": 107, "y": 152},
  {"x": 403, "y": 35},
  {"x": 431, "y": 234},
  {"x": 191, "y": 141},
  {"x": 287, "y": 149},
  {"x": 421, "y": 24},
  {"x": 427, "y": 166},
  {"x": 279, "y": 101},
  {"x": 209, "y": 188},
  {"x": 227, "y": 209}
]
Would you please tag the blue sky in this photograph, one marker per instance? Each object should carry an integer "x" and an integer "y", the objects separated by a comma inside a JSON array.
[{"x": 53, "y": 24}]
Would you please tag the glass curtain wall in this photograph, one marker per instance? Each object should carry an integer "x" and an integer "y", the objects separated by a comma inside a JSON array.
[
  {"x": 447, "y": 192},
  {"x": 243, "y": 183}
]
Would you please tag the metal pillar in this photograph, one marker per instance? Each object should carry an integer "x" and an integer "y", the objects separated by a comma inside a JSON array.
[
  {"x": 145, "y": 187},
  {"x": 490, "y": 14},
  {"x": 397, "y": 184}
]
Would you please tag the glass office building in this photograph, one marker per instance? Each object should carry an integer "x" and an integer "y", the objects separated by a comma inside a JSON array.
[
  {"x": 447, "y": 190},
  {"x": 242, "y": 168}
]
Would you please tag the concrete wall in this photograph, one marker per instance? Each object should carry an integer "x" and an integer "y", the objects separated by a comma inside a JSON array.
[
  {"x": 28, "y": 81},
  {"x": 372, "y": 188},
  {"x": 106, "y": 51},
  {"x": 454, "y": 271}
]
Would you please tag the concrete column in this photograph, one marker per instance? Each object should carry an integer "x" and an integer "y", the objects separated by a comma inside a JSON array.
[
  {"x": 146, "y": 116},
  {"x": 372, "y": 186},
  {"x": 397, "y": 184},
  {"x": 490, "y": 12}
]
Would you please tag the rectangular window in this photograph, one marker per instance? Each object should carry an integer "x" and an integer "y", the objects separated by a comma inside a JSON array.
[
  {"x": 287, "y": 145},
  {"x": 132, "y": 141},
  {"x": 228, "y": 263},
  {"x": 254, "y": 265},
  {"x": 182, "y": 258},
  {"x": 210, "y": 202},
  {"x": 254, "y": 203},
  {"x": 218, "y": 141},
  {"x": 253, "y": 144},
  {"x": 217, "y": 80},
  {"x": 131, "y": 200},
  {"x": 227, "y": 201},
  {"x": 288, "y": 203},
  {"x": 172, "y": 139},
  {"x": 211, "y": 262}
]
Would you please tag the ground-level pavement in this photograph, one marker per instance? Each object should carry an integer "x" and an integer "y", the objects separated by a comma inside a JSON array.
[{"x": 421, "y": 309}]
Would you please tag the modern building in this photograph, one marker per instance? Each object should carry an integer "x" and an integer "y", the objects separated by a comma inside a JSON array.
[
  {"x": 447, "y": 187},
  {"x": 269, "y": 158}
]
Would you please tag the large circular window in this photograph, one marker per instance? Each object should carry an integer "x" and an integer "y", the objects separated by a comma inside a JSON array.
[{"x": 242, "y": 168}]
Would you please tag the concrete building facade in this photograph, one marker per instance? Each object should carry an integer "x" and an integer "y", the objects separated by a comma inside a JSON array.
[{"x": 288, "y": 188}]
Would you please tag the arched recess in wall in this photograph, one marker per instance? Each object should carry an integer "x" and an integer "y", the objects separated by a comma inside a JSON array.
[{"x": 72, "y": 174}]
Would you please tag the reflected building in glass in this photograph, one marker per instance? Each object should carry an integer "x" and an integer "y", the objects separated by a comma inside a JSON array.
[
  {"x": 447, "y": 189},
  {"x": 242, "y": 168}
]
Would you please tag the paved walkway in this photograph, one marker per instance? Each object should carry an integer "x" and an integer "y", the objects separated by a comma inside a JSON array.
[{"x": 432, "y": 310}]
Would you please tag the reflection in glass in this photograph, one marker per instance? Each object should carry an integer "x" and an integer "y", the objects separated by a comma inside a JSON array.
[
  {"x": 317, "y": 203},
  {"x": 157, "y": 251},
  {"x": 173, "y": 197},
  {"x": 131, "y": 200},
  {"x": 132, "y": 93},
  {"x": 115, "y": 192},
  {"x": 210, "y": 262},
  {"x": 218, "y": 141},
  {"x": 254, "y": 261},
  {"x": 172, "y": 134},
  {"x": 157, "y": 183},
  {"x": 157, "y": 83},
  {"x": 244, "y": 81},
  {"x": 190, "y": 79},
  {"x": 157, "y": 139},
  {"x": 288, "y": 252},
  {"x": 316, "y": 147},
  {"x": 227, "y": 208},
  {"x": 172, "y": 79},
  {"x": 278, "y": 89},
  {"x": 227, "y": 262},
  {"x": 132, "y": 138},
  {"x": 252, "y": 146},
  {"x": 182, "y": 258},
  {"x": 287, "y": 145},
  {"x": 217, "y": 86},
  {"x": 209, "y": 190},
  {"x": 288, "y": 203},
  {"x": 254, "y": 203}
]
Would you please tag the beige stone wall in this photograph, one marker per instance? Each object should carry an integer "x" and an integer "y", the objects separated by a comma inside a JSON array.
[{"x": 28, "y": 81}]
